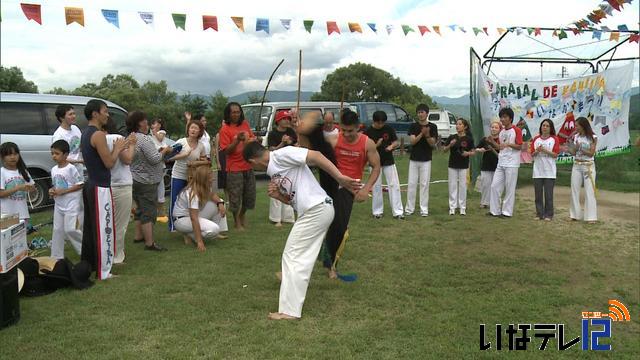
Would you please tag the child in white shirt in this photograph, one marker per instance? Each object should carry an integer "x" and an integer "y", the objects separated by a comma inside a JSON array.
[{"x": 15, "y": 182}]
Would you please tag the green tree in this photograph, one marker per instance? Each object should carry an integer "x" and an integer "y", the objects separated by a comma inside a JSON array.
[
  {"x": 12, "y": 80},
  {"x": 217, "y": 103},
  {"x": 255, "y": 98}
]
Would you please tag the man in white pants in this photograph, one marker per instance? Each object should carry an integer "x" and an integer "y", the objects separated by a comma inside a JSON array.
[
  {"x": 506, "y": 175},
  {"x": 292, "y": 182},
  {"x": 423, "y": 138}
]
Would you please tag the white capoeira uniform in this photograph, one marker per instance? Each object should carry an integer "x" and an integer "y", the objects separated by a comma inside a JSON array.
[
  {"x": 288, "y": 168},
  {"x": 583, "y": 173},
  {"x": 210, "y": 219},
  {"x": 66, "y": 210},
  {"x": 505, "y": 177}
]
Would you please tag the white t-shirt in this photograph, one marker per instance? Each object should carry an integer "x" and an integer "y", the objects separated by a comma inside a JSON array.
[
  {"x": 15, "y": 203},
  {"x": 71, "y": 136},
  {"x": 205, "y": 140},
  {"x": 582, "y": 143},
  {"x": 64, "y": 178},
  {"x": 510, "y": 157},
  {"x": 288, "y": 168},
  {"x": 120, "y": 172},
  {"x": 157, "y": 143},
  {"x": 544, "y": 165},
  {"x": 182, "y": 205},
  {"x": 179, "y": 170},
  {"x": 330, "y": 134}
]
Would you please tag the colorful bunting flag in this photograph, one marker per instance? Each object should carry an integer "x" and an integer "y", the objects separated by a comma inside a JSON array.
[
  {"x": 286, "y": 23},
  {"x": 74, "y": 14},
  {"x": 332, "y": 27},
  {"x": 575, "y": 31},
  {"x": 605, "y": 28},
  {"x": 32, "y": 12},
  {"x": 623, "y": 28},
  {"x": 502, "y": 31},
  {"x": 436, "y": 28},
  {"x": 476, "y": 31},
  {"x": 614, "y": 4},
  {"x": 239, "y": 21},
  {"x": 407, "y": 29},
  {"x": 562, "y": 34},
  {"x": 146, "y": 16},
  {"x": 389, "y": 29},
  {"x": 519, "y": 31},
  {"x": 308, "y": 24},
  {"x": 423, "y": 29},
  {"x": 462, "y": 29},
  {"x": 555, "y": 33},
  {"x": 452, "y": 27},
  {"x": 209, "y": 22},
  {"x": 179, "y": 20},
  {"x": 634, "y": 38},
  {"x": 355, "y": 27},
  {"x": 530, "y": 30},
  {"x": 485, "y": 30},
  {"x": 596, "y": 34},
  {"x": 537, "y": 32},
  {"x": 112, "y": 17},
  {"x": 615, "y": 36},
  {"x": 372, "y": 26},
  {"x": 262, "y": 25},
  {"x": 606, "y": 8}
]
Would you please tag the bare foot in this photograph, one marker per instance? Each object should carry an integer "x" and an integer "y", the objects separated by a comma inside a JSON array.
[
  {"x": 239, "y": 227},
  {"x": 279, "y": 275},
  {"x": 333, "y": 274},
  {"x": 281, "y": 316},
  {"x": 187, "y": 240},
  {"x": 278, "y": 224}
]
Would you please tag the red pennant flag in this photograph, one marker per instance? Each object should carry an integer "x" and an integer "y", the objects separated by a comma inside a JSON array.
[
  {"x": 575, "y": 31},
  {"x": 32, "y": 12},
  {"x": 209, "y": 22},
  {"x": 486, "y": 31},
  {"x": 332, "y": 27},
  {"x": 437, "y": 29},
  {"x": 634, "y": 38},
  {"x": 423, "y": 29},
  {"x": 537, "y": 32},
  {"x": 614, "y": 4}
]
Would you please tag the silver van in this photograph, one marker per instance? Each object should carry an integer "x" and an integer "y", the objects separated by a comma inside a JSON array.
[{"x": 29, "y": 120}]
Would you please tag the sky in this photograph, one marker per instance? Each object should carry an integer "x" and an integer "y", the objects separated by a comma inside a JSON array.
[{"x": 194, "y": 61}]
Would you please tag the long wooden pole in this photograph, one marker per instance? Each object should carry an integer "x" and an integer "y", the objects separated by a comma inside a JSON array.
[
  {"x": 299, "y": 83},
  {"x": 264, "y": 94}
]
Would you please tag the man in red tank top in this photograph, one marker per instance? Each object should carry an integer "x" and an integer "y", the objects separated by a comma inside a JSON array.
[{"x": 353, "y": 150}]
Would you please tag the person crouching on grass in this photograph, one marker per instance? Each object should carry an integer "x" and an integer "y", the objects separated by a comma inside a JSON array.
[
  {"x": 293, "y": 183},
  {"x": 199, "y": 213}
]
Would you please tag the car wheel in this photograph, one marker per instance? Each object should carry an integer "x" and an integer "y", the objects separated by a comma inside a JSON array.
[{"x": 39, "y": 197}]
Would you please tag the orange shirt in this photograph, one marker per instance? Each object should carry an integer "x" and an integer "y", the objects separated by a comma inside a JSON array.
[
  {"x": 235, "y": 162},
  {"x": 351, "y": 158}
]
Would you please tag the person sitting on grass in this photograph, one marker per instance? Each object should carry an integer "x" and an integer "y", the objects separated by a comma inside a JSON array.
[
  {"x": 198, "y": 212},
  {"x": 293, "y": 183}
]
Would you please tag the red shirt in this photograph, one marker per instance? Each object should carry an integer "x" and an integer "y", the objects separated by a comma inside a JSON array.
[
  {"x": 235, "y": 162},
  {"x": 351, "y": 158}
]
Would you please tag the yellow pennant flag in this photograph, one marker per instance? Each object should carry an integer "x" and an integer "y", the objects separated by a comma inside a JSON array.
[
  {"x": 615, "y": 36},
  {"x": 74, "y": 14},
  {"x": 355, "y": 27},
  {"x": 502, "y": 31},
  {"x": 437, "y": 29},
  {"x": 239, "y": 21}
]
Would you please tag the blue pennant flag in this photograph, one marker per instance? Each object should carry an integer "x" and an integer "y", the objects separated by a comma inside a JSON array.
[
  {"x": 373, "y": 27},
  {"x": 262, "y": 24},
  {"x": 623, "y": 28},
  {"x": 596, "y": 34},
  {"x": 112, "y": 17},
  {"x": 452, "y": 27}
]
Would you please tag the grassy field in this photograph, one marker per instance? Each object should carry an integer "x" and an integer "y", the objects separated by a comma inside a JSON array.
[{"x": 424, "y": 287}]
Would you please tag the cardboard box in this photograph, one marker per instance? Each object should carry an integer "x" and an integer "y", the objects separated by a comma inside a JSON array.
[
  {"x": 13, "y": 246},
  {"x": 7, "y": 220}
]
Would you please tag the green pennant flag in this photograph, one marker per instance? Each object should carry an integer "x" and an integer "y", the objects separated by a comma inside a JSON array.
[
  {"x": 530, "y": 30},
  {"x": 179, "y": 20},
  {"x": 406, "y": 29},
  {"x": 476, "y": 31},
  {"x": 562, "y": 35},
  {"x": 308, "y": 24}
]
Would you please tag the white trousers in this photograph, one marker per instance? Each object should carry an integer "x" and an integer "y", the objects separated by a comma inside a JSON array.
[
  {"x": 419, "y": 172},
  {"x": 64, "y": 227},
  {"x": 211, "y": 223},
  {"x": 161, "y": 193},
  {"x": 504, "y": 180},
  {"x": 580, "y": 177},
  {"x": 485, "y": 187},
  {"x": 393, "y": 186},
  {"x": 299, "y": 256},
  {"x": 280, "y": 212},
  {"x": 122, "y": 201},
  {"x": 457, "y": 189}
]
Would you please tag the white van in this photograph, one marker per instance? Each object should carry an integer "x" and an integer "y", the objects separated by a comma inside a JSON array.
[
  {"x": 444, "y": 120},
  {"x": 29, "y": 120}
]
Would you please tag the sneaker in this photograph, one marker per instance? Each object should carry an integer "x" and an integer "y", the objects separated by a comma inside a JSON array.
[
  {"x": 463, "y": 212},
  {"x": 408, "y": 213},
  {"x": 155, "y": 247},
  {"x": 424, "y": 214},
  {"x": 547, "y": 219},
  {"x": 377, "y": 216},
  {"x": 452, "y": 212},
  {"x": 162, "y": 219},
  {"x": 399, "y": 217}
]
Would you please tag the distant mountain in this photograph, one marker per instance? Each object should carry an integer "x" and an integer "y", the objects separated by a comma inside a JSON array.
[
  {"x": 445, "y": 100},
  {"x": 272, "y": 96}
]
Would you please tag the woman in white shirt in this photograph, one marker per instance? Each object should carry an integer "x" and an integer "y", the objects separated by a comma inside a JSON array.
[
  {"x": 583, "y": 146},
  {"x": 192, "y": 155},
  {"x": 544, "y": 149},
  {"x": 158, "y": 135}
]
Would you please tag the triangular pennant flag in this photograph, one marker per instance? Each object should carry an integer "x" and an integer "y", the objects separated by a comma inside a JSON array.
[
  {"x": 308, "y": 24},
  {"x": 389, "y": 29},
  {"x": 596, "y": 34},
  {"x": 519, "y": 31},
  {"x": 634, "y": 38},
  {"x": 462, "y": 29},
  {"x": 537, "y": 31},
  {"x": 147, "y": 17},
  {"x": 74, "y": 14},
  {"x": 436, "y": 28},
  {"x": 562, "y": 35},
  {"x": 485, "y": 30},
  {"x": 179, "y": 20},
  {"x": 286, "y": 23},
  {"x": 530, "y": 30},
  {"x": 605, "y": 28},
  {"x": 623, "y": 28},
  {"x": 262, "y": 25},
  {"x": 239, "y": 21},
  {"x": 423, "y": 29},
  {"x": 615, "y": 36},
  {"x": 614, "y": 4},
  {"x": 606, "y": 8},
  {"x": 112, "y": 17},
  {"x": 32, "y": 12},
  {"x": 476, "y": 31},
  {"x": 599, "y": 13},
  {"x": 332, "y": 27},
  {"x": 502, "y": 31},
  {"x": 452, "y": 27},
  {"x": 372, "y": 26},
  {"x": 209, "y": 22},
  {"x": 355, "y": 27},
  {"x": 555, "y": 33},
  {"x": 407, "y": 29},
  {"x": 575, "y": 31}
]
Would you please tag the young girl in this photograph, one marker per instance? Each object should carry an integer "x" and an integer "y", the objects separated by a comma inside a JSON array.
[
  {"x": 461, "y": 146},
  {"x": 583, "y": 146},
  {"x": 158, "y": 135},
  {"x": 544, "y": 149},
  {"x": 198, "y": 212},
  {"x": 15, "y": 182},
  {"x": 489, "y": 148},
  {"x": 192, "y": 154}
]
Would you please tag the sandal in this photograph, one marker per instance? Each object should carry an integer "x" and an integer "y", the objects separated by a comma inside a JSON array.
[{"x": 155, "y": 247}]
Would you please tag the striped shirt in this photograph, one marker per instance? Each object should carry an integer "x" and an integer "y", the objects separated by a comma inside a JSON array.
[{"x": 147, "y": 166}]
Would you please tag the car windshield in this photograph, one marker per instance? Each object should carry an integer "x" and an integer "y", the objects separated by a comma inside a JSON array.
[{"x": 251, "y": 114}]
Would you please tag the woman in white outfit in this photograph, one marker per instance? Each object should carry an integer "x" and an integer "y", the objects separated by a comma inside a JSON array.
[
  {"x": 583, "y": 146},
  {"x": 158, "y": 135}
]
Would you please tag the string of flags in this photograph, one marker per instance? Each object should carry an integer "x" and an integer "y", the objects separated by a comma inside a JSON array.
[{"x": 606, "y": 8}]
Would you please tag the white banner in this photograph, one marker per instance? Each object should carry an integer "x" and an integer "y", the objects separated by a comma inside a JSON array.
[{"x": 603, "y": 98}]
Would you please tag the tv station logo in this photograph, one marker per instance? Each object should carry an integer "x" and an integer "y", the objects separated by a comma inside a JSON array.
[{"x": 596, "y": 327}]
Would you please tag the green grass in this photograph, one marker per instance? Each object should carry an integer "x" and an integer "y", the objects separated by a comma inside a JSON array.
[{"x": 424, "y": 287}]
